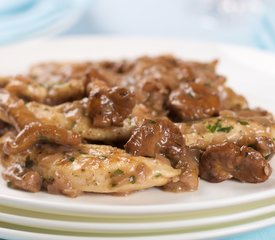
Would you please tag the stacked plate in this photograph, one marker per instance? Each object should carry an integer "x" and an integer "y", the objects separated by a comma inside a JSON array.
[
  {"x": 22, "y": 19},
  {"x": 214, "y": 210}
]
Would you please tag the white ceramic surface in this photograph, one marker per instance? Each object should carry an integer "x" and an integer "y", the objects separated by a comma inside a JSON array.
[
  {"x": 195, "y": 234},
  {"x": 63, "y": 223},
  {"x": 249, "y": 72}
]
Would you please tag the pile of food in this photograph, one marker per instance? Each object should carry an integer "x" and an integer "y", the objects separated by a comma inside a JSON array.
[{"x": 121, "y": 126}]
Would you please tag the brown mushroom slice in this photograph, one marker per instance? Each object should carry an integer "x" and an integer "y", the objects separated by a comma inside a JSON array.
[
  {"x": 14, "y": 111},
  {"x": 225, "y": 161},
  {"x": 160, "y": 138},
  {"x": 265, "y": 146},
  {"x": 24, "y": 179},
  {"x": 193, "y": 101},
  {"x": 36, "y": 132},
  {"x": 109, "y": 106}
]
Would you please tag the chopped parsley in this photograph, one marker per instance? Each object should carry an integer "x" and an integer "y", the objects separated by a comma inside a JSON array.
[
  {"x": 242, "y": 122},
  {"x": 73, "y": 125},
  {"x": 273, "y": 139},
  {"x": 43, "y": 139},
  {"x": 118, "y": 172},
  {"x": 70, "y": 158},
  {"x": 158, "y": 175},
  {"x": 217, "y": 127},
  {"x": 9, "y": 184},
  {"x": 28, "y": 162},
  {"x": 152, "y": 121},
  {"x": 132, "y": 179}
]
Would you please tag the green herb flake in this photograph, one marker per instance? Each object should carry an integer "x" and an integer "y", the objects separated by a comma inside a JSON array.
[
  {"x": 70, "y": 158},
  {"x": 242, "y": 122},
  {"x": 28, "y": 162},
  {"x": 152, "y": 121},
  {"x": 158, "y": 175},
  {"x": 43, "y": 139},
  {"x": 132, "y": 179},
  {"x": 9, "y": 184},
  {"x": 114, "y": 184},
  {"x": 273, "y": 139},
  {"x": 217, "y": 127},
  {"x": 118, "y": 172},
  {"x": 225, "y": 129},
  {"x": 73, "y": 125}
]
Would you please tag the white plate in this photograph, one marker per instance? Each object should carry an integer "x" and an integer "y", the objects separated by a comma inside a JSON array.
[
  {"x": 249, "y": 71},
  {"x": 10, "y": 232},
  {"x": 153, "y": 225}
]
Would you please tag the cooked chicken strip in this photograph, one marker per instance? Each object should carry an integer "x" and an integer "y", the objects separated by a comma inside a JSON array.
[
  {"x": 201, "y": 134},
  {"x": 91, "y": 168},
  {"x": 71, "y": 116}
]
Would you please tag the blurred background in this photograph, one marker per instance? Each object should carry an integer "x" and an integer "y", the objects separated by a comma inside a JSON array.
[{"x": 243, "y": 22}]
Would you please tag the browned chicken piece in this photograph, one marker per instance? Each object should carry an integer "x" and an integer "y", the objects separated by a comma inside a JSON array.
[
  {"x": 50, "y": 88},
  {"x": 225, "y": 161},
  {"x": 64, "y": 82},
  {"x": 68, "y": 91},
  {"x": 25, "y": 88},
  {"x": 162, "y": 139},
  {"x": 256, "y": 114},
  {"x": 193, "y": 101},
  {"x": 90, "y": 168},
  {"x": 71, "y": 116},
  {"x": 109, "y": 106},
  {"x": 53, "y": 73},
  {"x": 201, "y": 134}
]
